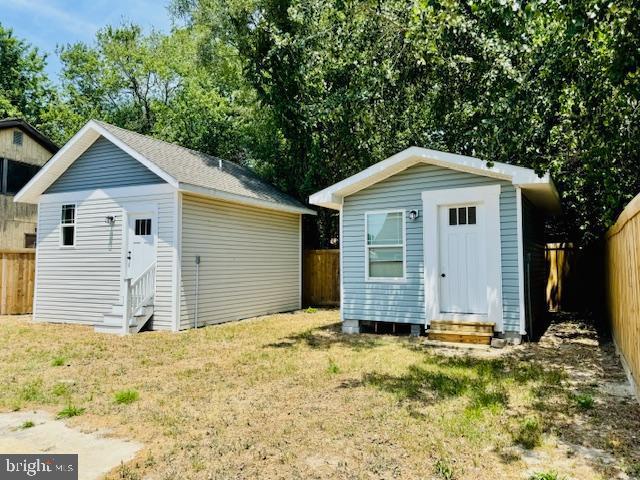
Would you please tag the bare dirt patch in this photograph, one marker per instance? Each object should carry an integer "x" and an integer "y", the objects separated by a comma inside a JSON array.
[{"x": 289, "y": 396}]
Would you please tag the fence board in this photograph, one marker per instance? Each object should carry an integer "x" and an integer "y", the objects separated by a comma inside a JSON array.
[
  {"x": 17, "y": 274},
  {"x": 321, "y": 277},
  {"x": 623, "y": 287}
]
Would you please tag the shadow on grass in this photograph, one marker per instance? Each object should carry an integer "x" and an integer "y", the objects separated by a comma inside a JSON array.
[
  {"x": 323, "y": 338},
  {"x": 481, "y": 381}
]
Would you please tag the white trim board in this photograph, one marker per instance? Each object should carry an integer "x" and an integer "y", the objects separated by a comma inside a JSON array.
[
  {"x": 521, "y": 299},
  {"x": 489, "y": 197},
  {"x": 542, "y": 189}
]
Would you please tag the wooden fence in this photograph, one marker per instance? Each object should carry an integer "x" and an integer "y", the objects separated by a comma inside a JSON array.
[
  {"x": 17, "y": 278},
  {"x": 321, "y": 277},
  {"x": 623, "y": 287}
]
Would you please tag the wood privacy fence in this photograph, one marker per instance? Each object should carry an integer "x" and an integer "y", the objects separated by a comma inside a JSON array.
[
  {"x": 321, "y": 277},
  {"x": 17, "y": 278},
  {"x": 623, "y": 287}
]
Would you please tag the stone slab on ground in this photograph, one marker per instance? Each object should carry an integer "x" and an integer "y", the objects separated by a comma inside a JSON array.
[{"x": 97, "y": 454}]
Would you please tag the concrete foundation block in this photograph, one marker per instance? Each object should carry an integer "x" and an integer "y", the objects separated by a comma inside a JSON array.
[
  {"x": 415, "y": 330},
  {"x": 350, "y": 326}
]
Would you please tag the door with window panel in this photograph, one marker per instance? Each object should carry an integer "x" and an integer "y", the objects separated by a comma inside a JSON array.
[
  {"x": 142, "y": 239},
  {"x": 463, "y": 288}
]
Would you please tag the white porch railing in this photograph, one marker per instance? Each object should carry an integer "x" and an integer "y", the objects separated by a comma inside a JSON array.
[{"x": 138, "y": 292}]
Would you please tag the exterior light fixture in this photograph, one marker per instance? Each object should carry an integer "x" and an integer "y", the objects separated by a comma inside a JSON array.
[
  {"x": 109, "y": 219},
  {"x": 413, "y": 215}
]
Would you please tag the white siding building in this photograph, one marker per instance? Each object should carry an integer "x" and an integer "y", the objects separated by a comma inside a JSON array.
[{"x": 136, "y": 232}]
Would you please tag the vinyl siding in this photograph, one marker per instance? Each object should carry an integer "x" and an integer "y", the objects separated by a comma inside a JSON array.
[
  {"x": 78, "y": 285},
  {"x": 535, "y": 267},
  {"x": 403, "y": 302},
  {"x": 250, "y": 261},
  {"x": 103, "y": 165}
]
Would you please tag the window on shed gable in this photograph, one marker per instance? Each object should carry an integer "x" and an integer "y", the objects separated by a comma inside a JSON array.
[
  {"x": 17, "y": 137},
  {"x": 385, "y": 245}
]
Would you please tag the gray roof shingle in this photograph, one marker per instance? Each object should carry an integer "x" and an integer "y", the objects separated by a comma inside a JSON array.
[{"x": 202, "y": 170}]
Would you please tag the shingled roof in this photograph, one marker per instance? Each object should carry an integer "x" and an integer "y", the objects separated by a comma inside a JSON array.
[
  {"x": 200, "y": 169},
  {"x": 183, "y": 168}
]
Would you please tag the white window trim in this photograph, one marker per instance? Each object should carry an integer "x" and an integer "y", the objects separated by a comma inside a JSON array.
[
  {"x": 65, "y": 225},
  {"x": 489, "y": 198},
  {"x": 367, "y": 278}
]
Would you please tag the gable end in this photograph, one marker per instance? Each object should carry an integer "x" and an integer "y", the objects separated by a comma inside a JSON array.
[{"x": 103, "y": 165}]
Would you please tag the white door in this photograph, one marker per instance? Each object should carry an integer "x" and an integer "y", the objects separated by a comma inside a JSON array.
[
  {"x": 463, "y": 279},
  {"x": 141, "y": 252}
]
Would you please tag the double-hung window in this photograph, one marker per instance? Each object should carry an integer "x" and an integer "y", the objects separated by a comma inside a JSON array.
[
  {"x": 68, "y": 225},
  {"x": 385, "y": 258}
]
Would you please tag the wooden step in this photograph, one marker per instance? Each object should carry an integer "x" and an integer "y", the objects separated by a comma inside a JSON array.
[
  {"x": 455, "y": 326},
  {"x": 454, "y": 336}
]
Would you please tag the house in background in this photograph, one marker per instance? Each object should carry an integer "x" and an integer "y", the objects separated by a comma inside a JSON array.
[
  {"x": 135, "y": 231},
  {"x": 443, "y": 242},
  {"x": 23, "y": 150}
]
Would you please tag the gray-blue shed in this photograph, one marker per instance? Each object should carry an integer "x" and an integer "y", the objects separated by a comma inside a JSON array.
[{"x": 442, "y": 241}]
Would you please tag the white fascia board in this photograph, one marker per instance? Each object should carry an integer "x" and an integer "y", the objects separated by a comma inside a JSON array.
[
  {"x": 69, "y": 153},
  {"x": 331, "y": 197},
  {"x": 241, "y": 199}
]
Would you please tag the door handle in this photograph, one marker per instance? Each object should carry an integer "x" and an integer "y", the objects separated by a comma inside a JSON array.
[{"x": 442, "y": 275}]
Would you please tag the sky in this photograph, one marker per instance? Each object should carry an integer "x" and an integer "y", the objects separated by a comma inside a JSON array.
[{"x": 48, "y": 23}]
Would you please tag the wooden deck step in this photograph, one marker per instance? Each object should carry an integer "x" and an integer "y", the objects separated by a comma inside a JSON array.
[
  {"x": 454, "y": 326},
  {"x": 456, "y": 336}
]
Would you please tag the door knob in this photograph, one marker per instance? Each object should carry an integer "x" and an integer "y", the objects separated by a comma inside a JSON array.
[
  {"x": 129, "y": 255},
  {"x": 442, "y": 275}
]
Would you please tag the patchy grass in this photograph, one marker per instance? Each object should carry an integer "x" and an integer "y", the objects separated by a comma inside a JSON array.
[
  {"x": 126, "y": 396},
  {"x": 290, "y": 396},
  {"x": 529, "y": 433},
  {"x": 58, "y": 361},
  {"x": 70, "y": 411},
  {"x": 27, "y": 424},
  {"x": 545, "y": 476},
  {"x": 444, "y": 469},
  {"x": 584, "y": 401}
]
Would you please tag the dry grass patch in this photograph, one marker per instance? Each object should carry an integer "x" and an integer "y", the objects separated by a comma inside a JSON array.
[{"x": 283, "y": 396}]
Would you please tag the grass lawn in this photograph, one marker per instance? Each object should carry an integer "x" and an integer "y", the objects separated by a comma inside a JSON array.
[{"x": 288, "y": 396}]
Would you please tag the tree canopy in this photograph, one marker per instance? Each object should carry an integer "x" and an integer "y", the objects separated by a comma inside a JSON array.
[{"x": 309, "y": 92}]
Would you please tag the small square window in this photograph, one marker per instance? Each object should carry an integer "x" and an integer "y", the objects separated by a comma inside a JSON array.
[
  {"x": 143, "y": 226},
  {"x": 453, "y": 216},
  {"x": 17, "y": 137},
  {"x": 471, "y": 215}
]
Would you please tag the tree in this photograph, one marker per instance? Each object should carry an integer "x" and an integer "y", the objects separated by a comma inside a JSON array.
[
  {"x": 156, "y": 85},
  {"x": 25, "y": 90},
  {"x": 545, "y": 84}
]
